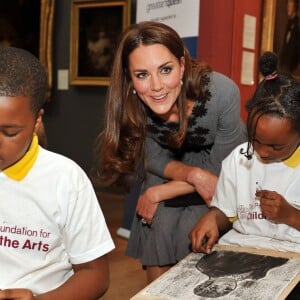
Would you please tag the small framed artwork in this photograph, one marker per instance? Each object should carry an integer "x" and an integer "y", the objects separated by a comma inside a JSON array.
[
  {"x": 281, "y": 33},
  {"x": 95, "y": 29},
  {"x": 28, "y": 24}
]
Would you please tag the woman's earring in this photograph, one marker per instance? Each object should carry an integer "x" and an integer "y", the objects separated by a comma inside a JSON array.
[
  {"x": 181, "y": 82},
  {"x": 133, "y": 91}
]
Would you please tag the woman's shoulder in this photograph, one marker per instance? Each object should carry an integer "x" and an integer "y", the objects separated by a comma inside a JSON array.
[
  {"x": 221, "y": 79},
  {"x": 223, "y": 88}
]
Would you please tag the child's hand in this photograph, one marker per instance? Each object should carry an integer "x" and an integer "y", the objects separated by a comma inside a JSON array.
[
  {"x": 274, "y": 206},
  {"x": 205, "y": 234},
  {"x": 16, "y": 294}
]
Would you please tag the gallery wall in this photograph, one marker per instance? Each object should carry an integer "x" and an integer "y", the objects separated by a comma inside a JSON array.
[
  {"x": 74, "y": 117},
  {"x": 221, "y": 34}
]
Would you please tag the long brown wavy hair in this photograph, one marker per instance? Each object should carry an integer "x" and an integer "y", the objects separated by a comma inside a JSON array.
[{"x": 119, "y": 148}]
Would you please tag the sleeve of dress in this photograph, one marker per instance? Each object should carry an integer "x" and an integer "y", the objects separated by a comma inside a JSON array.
[
  {"x": 231, "y": 130},
  {"x": 157, "y": 157}
]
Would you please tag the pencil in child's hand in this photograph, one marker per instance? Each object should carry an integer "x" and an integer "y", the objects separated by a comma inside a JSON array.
[{"x": 258, "y": 186}]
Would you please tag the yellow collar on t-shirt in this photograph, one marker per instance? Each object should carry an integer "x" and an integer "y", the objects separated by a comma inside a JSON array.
[
  {"x": 294, "y": 160},
  {"x": 20, "y": 169}
]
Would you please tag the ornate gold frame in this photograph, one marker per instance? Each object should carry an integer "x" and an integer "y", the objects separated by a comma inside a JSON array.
[
  {"x": 46, "y": 38},
  {"x": 269, "y": 10},
  {"x": 77, "y": 6}
]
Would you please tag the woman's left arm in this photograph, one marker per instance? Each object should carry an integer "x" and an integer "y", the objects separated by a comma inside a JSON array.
[
  {"x": 148, "y": 201},
  {"x": 230, "y": 130},
  {"x": 203, "y": 181}
]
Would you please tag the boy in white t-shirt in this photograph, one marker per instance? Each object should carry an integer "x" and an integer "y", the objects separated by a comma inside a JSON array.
[
  {"x": 258, "y": 191},
  {"x": 53, "y": 235}
]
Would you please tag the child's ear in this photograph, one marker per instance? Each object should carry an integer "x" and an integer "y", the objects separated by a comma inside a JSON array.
[
  {"x": 39, "y": 130},
  {"x": 39, "y": 121}
]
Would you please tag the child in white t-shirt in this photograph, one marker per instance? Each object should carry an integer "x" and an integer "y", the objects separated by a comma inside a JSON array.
[
  {"x": 258, "y": 191},
  {"x": 53, "y": 235}
]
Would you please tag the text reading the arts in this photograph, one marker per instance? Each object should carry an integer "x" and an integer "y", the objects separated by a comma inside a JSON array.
[{"x": 28, "y": 244}]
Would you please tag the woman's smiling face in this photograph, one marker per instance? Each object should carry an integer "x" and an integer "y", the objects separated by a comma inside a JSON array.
[{"x": 156, "y": 76}]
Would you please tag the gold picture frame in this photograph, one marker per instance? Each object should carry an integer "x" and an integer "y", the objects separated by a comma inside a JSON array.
[
  {"x": 274, "y": 25},
  {"x": 268, "y": 25},
  {"x": 95, "y": 28},
  {"x": 46, "y": 39}
]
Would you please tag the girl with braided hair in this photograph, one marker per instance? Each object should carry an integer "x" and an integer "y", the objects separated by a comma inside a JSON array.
[{"x": 257, "y": 194}]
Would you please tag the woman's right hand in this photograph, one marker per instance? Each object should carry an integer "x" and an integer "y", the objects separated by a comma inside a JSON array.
[
  {"x": 204, "y": 182},
  {"x": 147, "y": 204}
]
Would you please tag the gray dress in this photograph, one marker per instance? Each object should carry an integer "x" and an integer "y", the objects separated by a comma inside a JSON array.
[{"x": 214, "y": 130}]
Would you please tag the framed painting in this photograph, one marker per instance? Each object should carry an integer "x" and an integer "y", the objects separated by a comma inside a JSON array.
[
  {"x": 95, "y": 29},
  {"x": 281, "y": 33},
  {"x": 28, "y": 24}
]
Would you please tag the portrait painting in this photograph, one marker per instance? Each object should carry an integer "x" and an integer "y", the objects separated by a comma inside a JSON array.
[
  {"x": 95, "y": 29},
  {"x": 28, "y": 24},
  {"x": 20, "y": 24}
]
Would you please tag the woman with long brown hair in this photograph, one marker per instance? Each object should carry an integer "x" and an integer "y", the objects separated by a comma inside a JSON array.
[{"x": 178, "y": 119}]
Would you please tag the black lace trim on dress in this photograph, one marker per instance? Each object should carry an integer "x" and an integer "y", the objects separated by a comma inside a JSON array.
[{"x": 196, "y": 134}]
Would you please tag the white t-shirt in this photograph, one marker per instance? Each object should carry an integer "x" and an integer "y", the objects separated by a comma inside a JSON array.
[
  {"x": 48, "y": 220},
  {"x": 235, "y": 196}
]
